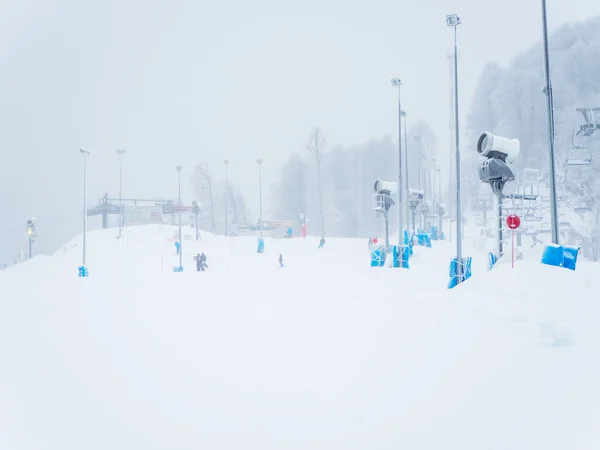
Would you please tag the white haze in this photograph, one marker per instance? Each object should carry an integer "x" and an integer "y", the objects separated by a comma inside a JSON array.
[{"x": 182, "y": 82}]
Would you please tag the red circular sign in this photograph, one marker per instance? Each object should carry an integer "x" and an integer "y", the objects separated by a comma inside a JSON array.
[{"x": 513, "y": 221}]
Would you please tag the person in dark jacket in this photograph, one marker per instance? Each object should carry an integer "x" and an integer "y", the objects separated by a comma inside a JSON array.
[{"x": 280, "y": 260}]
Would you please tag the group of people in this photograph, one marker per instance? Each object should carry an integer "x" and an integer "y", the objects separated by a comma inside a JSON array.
[{"x": 200, "y": 258}]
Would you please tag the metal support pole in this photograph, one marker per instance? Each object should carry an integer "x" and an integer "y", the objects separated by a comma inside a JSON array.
[
  {"x": 180, "y": 241},
  {"x": 459, "y": 266},
  {"x": 85, "y": 154},
  {"x": 259, "y": 161},
  {"x": 396, "y": 82},
  {"x": 226, "y": 199},
  {"x": 550, "y": 113},
  {"x": 120, "y": 153},
  {"x": 407, "y": 206},
  {"x": 499, "y": 226},
  {"x": 30, "y": 242}
]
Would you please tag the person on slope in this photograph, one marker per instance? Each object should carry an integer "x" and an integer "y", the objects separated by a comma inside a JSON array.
[
  {"x": 280, "y": 260},
  {"x": 322, "y": 242},
  {"x": 203, "y": 265},
  {"x": 198, "y": 260},
  {"x": 177, "y": 246}
]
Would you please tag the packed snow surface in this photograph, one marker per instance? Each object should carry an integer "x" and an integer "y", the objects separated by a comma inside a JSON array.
[{"x": 325, "y": 353}]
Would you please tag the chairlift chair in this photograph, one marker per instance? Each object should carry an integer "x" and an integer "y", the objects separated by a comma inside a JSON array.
[
  {"x": 577, "y": 155},
  {"x": 590, "y": 125}
]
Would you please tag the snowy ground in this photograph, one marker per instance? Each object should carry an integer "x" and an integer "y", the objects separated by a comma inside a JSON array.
[{"x": 327, "y": 353}]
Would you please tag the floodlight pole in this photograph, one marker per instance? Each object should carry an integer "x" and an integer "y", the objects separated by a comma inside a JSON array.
[
  {"x": 226, "y": 197},
  {"x": 453, "y": 21},
  {"x": 397, "y": 83},
  {"x": 550, "y": 113},
  {"x": 180, "y": 241},
  {"x": 407, "y": 207},
  {"x": 260, "y": 161},
  {"x": 85, "y": 154},
  {"x": 120, "y": 153}
]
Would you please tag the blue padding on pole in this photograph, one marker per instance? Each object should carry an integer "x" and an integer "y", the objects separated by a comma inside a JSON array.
[
  {"x": 377, "y": 257},
  {"x": 261, "y": 246},
  {"x": 424, "y": 240},
  {"x": 570, "y": 256},
  {"x": 395, "y": 259},
  {"x": 491, "y": 260},
  {"x": 553, "y": 255},
  {"x": 467, "y": 271},
  {"x": 404, "y": 256}
]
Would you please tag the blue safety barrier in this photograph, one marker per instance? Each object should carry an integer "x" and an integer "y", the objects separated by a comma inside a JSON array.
[
  {"x": 467, "y": 271},
  {"x": 561, "y": 256}
]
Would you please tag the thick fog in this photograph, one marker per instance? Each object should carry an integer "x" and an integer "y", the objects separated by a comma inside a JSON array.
[{"x": 189, "y": 82}]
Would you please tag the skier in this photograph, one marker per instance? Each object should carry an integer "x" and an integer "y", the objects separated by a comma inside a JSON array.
[
  {"x": 280, "y": 260},
  {"x": 198, "y": 260},
  {"x": 322, "y": 242},
  {"x": 203, "y": 265},
  {"x": 177, "y": 246},
  {"x": 370, "y": 242}
]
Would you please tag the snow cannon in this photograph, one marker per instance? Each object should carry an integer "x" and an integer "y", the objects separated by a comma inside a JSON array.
[{"x": 499, "y": 152}]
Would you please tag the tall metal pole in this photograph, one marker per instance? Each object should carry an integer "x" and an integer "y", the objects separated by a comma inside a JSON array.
[
  {"x": 180, "y": 241},
  {"x": 396, "y": 82},
  {"x": 120, "y": 153},
  {"x": 226, "y": 198},
  {"x": 440, "y": 215},
  {"x": 459, "y": 268},
  {"x": 550, "y": 112},
  {"x": 259, "y": 161},
  {"x": 433, "y": 199},
  {"x": 407, "y": 206},
  {"x": 85, "y": 174}
]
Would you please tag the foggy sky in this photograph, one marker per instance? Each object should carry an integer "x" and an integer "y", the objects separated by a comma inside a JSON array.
[{"x": 185, "y": 81}]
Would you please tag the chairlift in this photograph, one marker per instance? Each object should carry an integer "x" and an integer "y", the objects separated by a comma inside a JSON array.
[
  {"x": 577, "y": 155},
  {"x": 590, "y": 125}
]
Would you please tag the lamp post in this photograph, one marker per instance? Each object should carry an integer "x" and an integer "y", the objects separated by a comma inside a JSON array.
[
  {"x": 180, "y": 241},
  {"x": 85, "y": 154},
  {"x": 226, "y": 198},
  {"x": 407, "y": 206},
  {"x": 550, "y": 114},
  {"x": 433, "y": 199},
  {"x": 30, "y": 227},
  {"x": 397, "y": 83},
  {"x": 260, "y": 161},
  {"x": 120, "y": 152},
  {"x": 453, "y": 21}
]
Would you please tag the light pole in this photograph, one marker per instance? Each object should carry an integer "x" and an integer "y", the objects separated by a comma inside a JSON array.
[
  {"x": 180, "y": 241},
  {"x": 453, "y": 21},
  {"x": 85, "y": 154},
  {"x": 419, "y": 181},
  {"x": 433, "y": 199},
  {"x": 226, "y": 198},
  {"x": 397, "y": 83},
  {"x": 260, "y": 161},
  {"x": 30, "y": 227},
  {"x": 407, "y": 206},
  {"x": 550, "y": 113},
  {"x": 120, "y": 152}
]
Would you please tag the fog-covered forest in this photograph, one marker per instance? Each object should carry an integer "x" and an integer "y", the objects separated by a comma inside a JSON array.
[{"x": 510, "y": 102}]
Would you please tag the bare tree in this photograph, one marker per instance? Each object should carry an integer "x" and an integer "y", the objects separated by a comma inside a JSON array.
[
  {"x": 202, "y": 183},
  {"x": 316, "y": 147}
]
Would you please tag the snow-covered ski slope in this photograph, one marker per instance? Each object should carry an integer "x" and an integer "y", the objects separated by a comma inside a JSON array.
[{"x": 326, "y": 353}]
